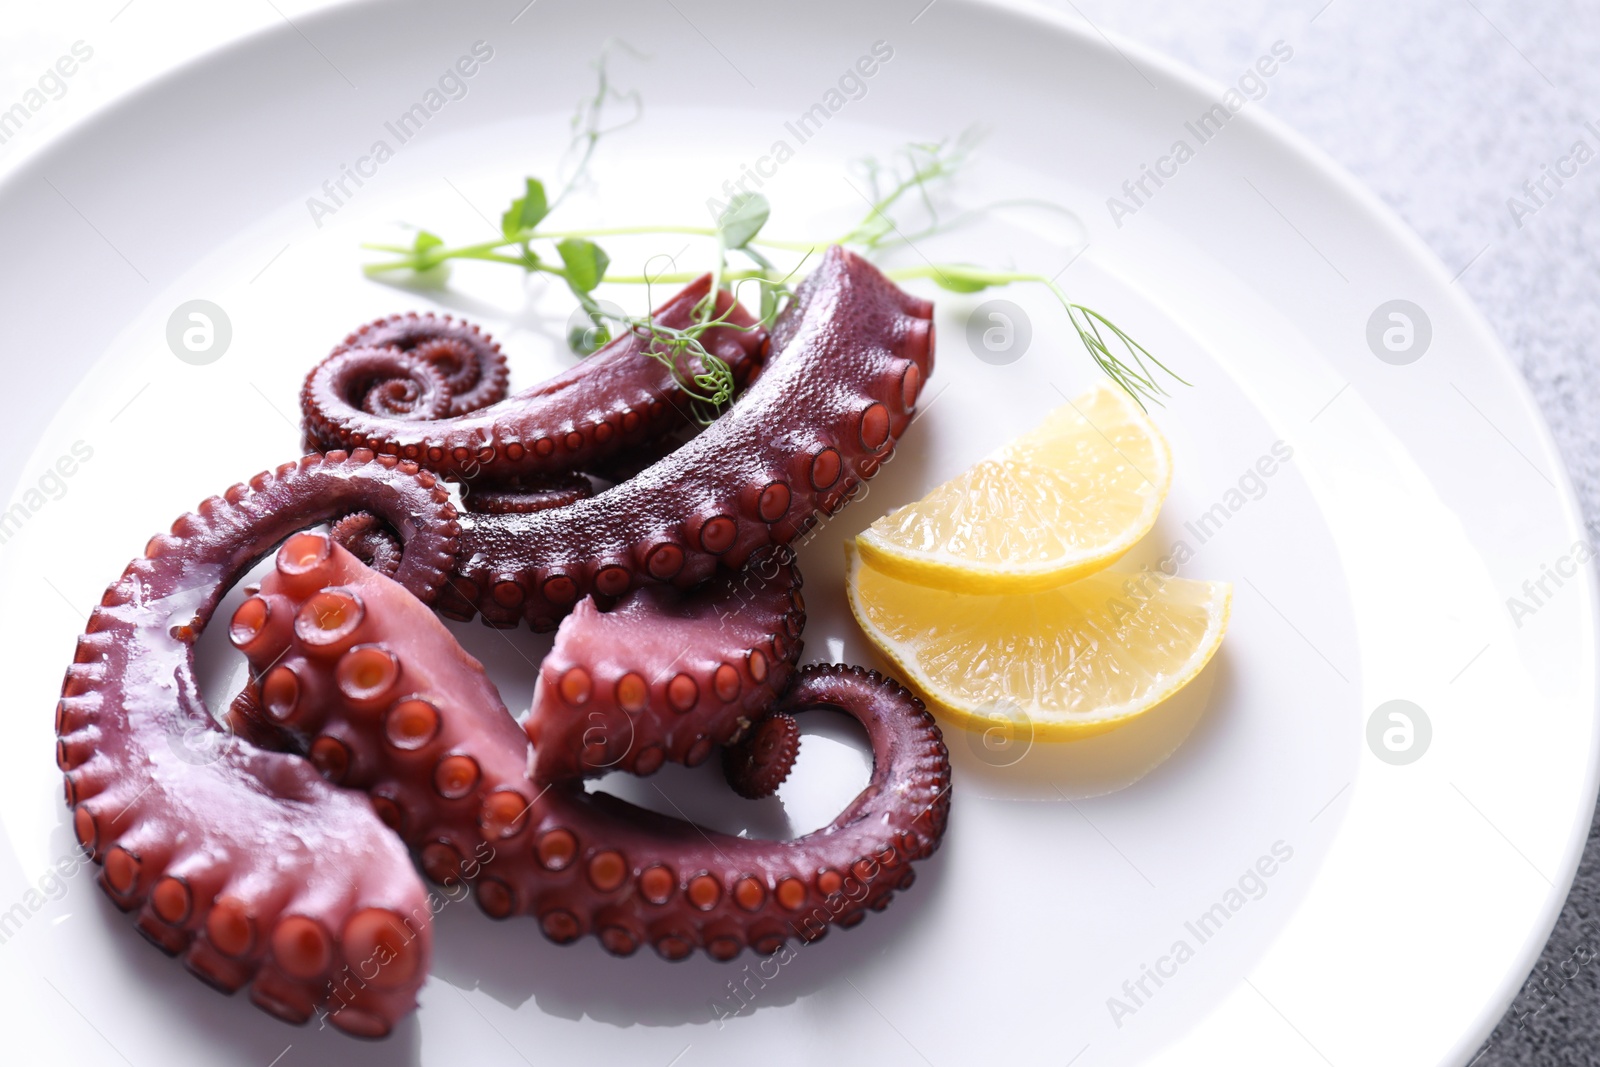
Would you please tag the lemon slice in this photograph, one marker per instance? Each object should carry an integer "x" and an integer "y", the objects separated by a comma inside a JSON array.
[
  {"x": 1063, "y": 500},
  {"x": 1069, "y": 662}
]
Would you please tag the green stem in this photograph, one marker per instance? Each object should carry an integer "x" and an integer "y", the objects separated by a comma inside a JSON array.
[
  {"x": 678, "y": 277},
  {"x": 946, "y": 272},
  {"x": 1130, "y": 373},
  {"x": 476, "y": 251},
  {"x": 447, "y": 253}
]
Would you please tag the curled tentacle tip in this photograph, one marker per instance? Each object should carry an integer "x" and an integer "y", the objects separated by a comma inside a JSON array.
[
  {"x": 369, "y": 539},
  {"x": 465, "y": 359},
  {"x": 756, "y": 766}
]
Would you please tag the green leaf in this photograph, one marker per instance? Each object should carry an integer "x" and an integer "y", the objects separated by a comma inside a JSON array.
[
  {"x": 742, "y": 219},
  {"x": 585, "y": 261},
  {"x": 526, "y": 211},
  {"x": 425, "y": 240},
  {"x": 587, "y": 340}
]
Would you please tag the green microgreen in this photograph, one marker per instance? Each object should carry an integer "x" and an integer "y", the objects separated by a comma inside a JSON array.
[
  {"x": 907, "y": 194},
  {"x": 525, "y": 212}
]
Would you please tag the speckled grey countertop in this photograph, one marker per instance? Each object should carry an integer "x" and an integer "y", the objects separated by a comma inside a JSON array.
[{"x": 1445, "y": 108}]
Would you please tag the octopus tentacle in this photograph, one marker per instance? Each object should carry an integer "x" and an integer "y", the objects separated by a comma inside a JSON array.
[
  {"x": 615, "y": 400},
  {"x": 241, "y": 859},
  {"x": 370, "y": 540},
  {"x": 631, "y": 877},
  {"x": 530, "y": 494},
  {"x": 386, "y": 383},
  {"x": 244, "y": 719},
  {"x": 851, "y": 353},
  {"x": 759, "y": 763},
  {"x": 666, "y": 676},
  {"x": 469, "y": 361},
  {"x": 394, "y": 707}
]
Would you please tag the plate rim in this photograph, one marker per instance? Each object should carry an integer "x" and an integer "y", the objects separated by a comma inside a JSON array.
[{"x": 1371, "y": 205}]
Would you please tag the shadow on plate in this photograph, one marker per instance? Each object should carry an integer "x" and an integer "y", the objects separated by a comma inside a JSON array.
[
  {"x": 514, "y": 963},
  {"x": 1009, "y": 763}
]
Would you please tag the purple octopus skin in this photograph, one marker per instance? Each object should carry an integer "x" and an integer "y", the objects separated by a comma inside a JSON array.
[
  {"x": 471, "y": 363},
  {"x": 370, "y": 540},
  {"x": 635, "y": 877},
  {"x": 664, "y": 675},
  {"x": 246, "y": 861},
  {"x": 234, "y": 851},
  {"x": 759, "y": 762},
  {"x": 530, "y": 494},
  {"x": 849, "y": 358},
  {"x": 616, "y": 400},
  {"x": 386, "y": 701}
]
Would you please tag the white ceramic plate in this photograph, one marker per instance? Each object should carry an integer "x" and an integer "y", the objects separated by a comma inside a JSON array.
[{"x": 1404, "y": 903}]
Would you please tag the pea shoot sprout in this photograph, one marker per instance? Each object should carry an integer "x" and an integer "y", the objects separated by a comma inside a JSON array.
[{"x": 914, "y": 175}]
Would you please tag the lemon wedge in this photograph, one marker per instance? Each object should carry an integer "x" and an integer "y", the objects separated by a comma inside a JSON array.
[
  {"x": 1069, "y": 662},
  {"x": 1065, "y": 499}
]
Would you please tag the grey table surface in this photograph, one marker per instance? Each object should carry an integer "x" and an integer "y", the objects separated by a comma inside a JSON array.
[{"x": 1445, "y": 108}]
